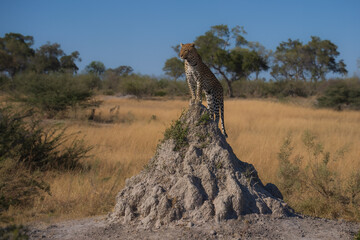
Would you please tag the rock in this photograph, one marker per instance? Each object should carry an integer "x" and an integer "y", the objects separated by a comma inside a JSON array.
[
  {"x": 212, "y": 232},
  {"x": 195, "y": 176}
]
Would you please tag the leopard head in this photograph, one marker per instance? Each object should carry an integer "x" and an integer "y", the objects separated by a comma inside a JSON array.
[{"x": 188, "y": 51}]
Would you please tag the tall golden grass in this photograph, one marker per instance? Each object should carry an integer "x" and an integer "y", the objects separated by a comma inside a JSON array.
[{"x": 122, "y": 147}]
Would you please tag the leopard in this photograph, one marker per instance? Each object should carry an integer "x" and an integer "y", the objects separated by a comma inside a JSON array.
[{"x": 200, "y": 78}]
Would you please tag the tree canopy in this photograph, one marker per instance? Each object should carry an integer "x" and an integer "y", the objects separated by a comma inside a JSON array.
[
  {"x": 174, "y": 68},
  {"x": 121, "y": 71},
  {"x": 67, "y": 62},
  {"x": 295, "y": 61},
  {"x": 232, "y": 57},
  {"x": 95, "y": 67},
  {"x": 15, "y": 52},
  {"x": 227, "y": 53},
  {"x": 16, "y": 55}
]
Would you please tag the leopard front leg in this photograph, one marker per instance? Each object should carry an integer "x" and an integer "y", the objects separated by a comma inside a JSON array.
[
  {"x": 192, "y": 87},
  {"x": 198, "y": 98}
]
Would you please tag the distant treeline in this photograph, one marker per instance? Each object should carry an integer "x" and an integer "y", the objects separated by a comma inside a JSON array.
[{"x": 48, "y": 78}]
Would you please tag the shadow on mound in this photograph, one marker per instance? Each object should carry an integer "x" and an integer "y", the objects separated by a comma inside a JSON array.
[{"x": 195, "y": 176}]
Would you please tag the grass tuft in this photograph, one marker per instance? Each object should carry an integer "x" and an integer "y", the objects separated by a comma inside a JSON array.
[
  {"x": 178, "y": 132},
  {"x": 316, "y": 188}
]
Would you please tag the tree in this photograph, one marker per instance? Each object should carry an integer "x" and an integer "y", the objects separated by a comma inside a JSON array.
[
  {"x": 122, "y": 71},
  {"x": 244, "y": 62},
  {"x": 174, "y": 67},
  {"x": 95, "y": 67},
  {"x": 16, "y": 55},
  {"x": 214, "y": 48},
  {"x": 295, "y": 61},
  {"x": 67, "y": 62},
  {"x": 46, "y": 58},
  {"x": 289, "y": 61},
  {"x": 322, "y": 56},
  {"x": 263, "y": 57},
  {"x": 15, "y": 52},
  {"x": 227, "y": 53},
  {"x": 113, "y": 76}
]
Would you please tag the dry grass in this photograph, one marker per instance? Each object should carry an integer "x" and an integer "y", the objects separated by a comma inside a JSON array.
[{"x": 256, "y": 132}]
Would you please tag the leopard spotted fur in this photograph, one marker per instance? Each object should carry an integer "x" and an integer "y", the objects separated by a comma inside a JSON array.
[{"x": 199, "y": 77}]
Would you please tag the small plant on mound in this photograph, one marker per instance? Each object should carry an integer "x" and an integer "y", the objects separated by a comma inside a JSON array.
[
  {"x": 178, "y": 132},
  {"x": 13, "y": 232},
  {"x": 357, "y": 237},
  {"x": 204, "y": 119}
]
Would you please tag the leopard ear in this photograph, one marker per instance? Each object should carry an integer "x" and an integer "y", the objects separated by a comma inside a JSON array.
[
  {"x": 181, "y": 44},
  {"x": 192, "y": 45}
]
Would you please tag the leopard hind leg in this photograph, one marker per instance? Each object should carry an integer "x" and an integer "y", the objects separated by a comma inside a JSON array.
[{"x": 210, "y": 105}]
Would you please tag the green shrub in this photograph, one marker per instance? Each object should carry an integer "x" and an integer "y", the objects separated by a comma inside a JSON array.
[
  {"x": 178, "y": 132},
  {"x": 160, "y": 93},
  {"x": 316, "y": 189},
  {"x": 204, "y": 119},
  {"x": 341, "y": 93},
  {"x": 13, "y": 232},
  {"x": 109, "y": 92},
  {"x": 261, "y": 88},
  {"x": 18, "y": 185},
  {"x": 24, "y": 139},
  {"x": 52, "y": 93},
  {"x": 357, "y": 237},
  {"x": 4, "y": 82},
  {"x": 27, "y": 150},
  {"x": 178, "y": 88},
  {"x": 138, "y": 85},
  {"x": 145, "y": 86},
  {"x": 289, "y": 172}
]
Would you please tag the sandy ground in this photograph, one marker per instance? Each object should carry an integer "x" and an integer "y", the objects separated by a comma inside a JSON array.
[{"x": 249, "y": 227}]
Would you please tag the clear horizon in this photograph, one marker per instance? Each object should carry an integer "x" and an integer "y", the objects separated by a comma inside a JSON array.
[{"x": 140, "y": 33}]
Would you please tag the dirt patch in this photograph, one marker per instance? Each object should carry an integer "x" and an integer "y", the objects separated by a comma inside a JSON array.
[{"x": 253, "y": 226}]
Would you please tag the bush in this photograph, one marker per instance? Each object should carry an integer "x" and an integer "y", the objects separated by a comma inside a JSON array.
[
  {"x": 178, "y": 88},
  {"x": 27, "y": 149},
  {"x": 178, "y": 132},
  {"x": 23, "y": 139},
  {"x": 315, "y": 188},
  {"x": 52, "y": 92},
  {"x": 144, "y": 86},
  {"x": 4, "y": 82},
  {"x": 13, "y": 232},
  {"x": 289, "y": 172},
  {"x": 341, "y": 94},
  {"x": 261, "y": 88},
  {"x": 138, "y": 85},
  {"x": 18, "y": 185}
]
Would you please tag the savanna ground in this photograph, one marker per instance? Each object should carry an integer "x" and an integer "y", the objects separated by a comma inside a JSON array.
[{"x": 124, "y": 134}]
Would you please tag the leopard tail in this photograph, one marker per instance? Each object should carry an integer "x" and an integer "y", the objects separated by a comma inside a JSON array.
[{"x": 222, "y": 120}]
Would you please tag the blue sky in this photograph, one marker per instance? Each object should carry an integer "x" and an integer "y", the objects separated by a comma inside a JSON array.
[{"x": 140, "y": 33}]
